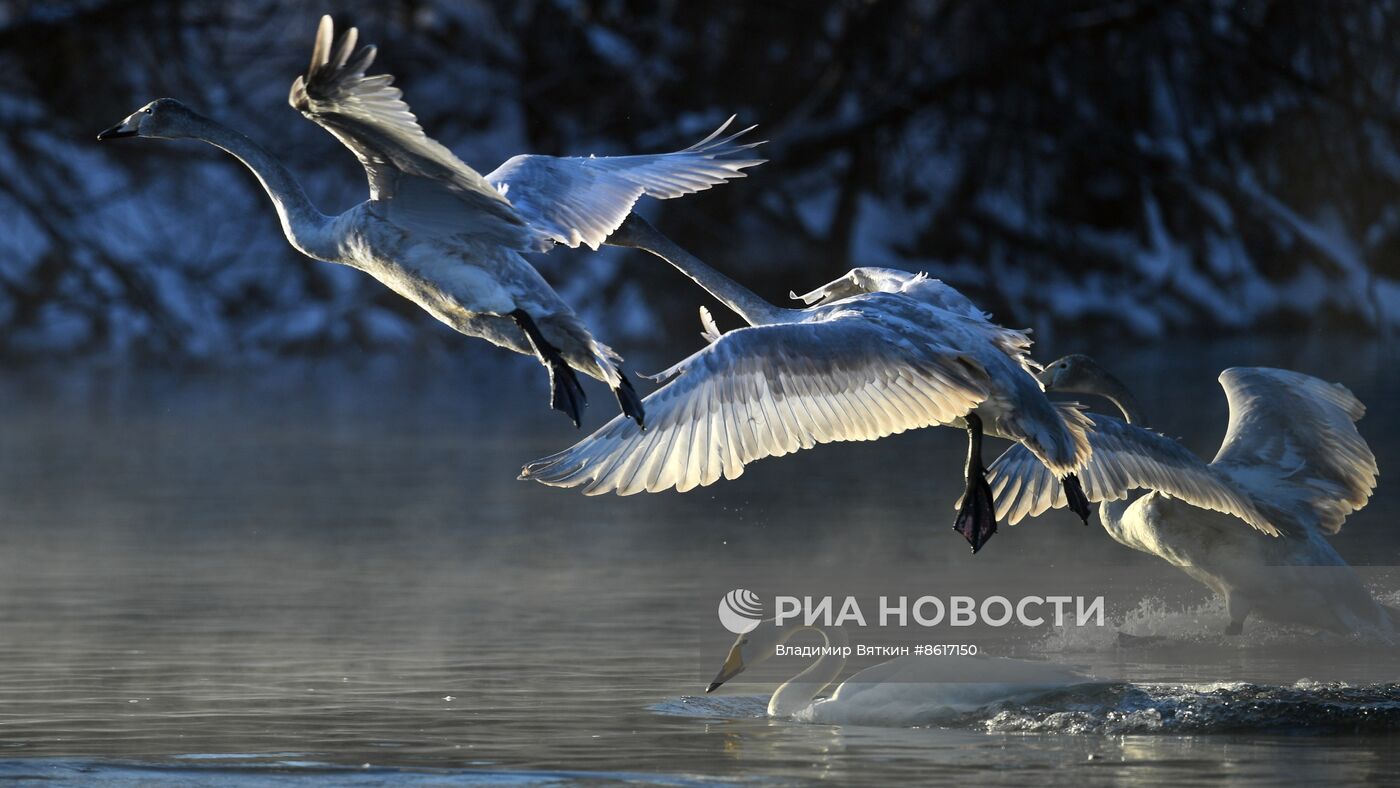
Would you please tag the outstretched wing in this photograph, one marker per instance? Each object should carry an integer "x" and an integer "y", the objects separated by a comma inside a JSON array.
[
  {"x": 1294, "y": 437},
  {"x": 582, "y": 200},
  {"x": 423, "y": 186},
  {"x": 768, "y": 391},
  {"x": 1125, "y": 458}
]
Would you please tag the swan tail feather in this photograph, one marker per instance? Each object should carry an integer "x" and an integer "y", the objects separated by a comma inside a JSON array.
[
  {"x": 1060, "y": 443},
  {"x": 582, "y": 350},
  {"x": 609, "y": 364}
]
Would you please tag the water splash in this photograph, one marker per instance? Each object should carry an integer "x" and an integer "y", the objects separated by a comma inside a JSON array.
[
  {"x": 1307, "y": 707},
  {"x": 1153, "y": 622}
]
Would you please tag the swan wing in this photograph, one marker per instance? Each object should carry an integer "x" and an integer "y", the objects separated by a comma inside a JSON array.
[
  {"x": 583, "y": 199},
  {"x": 1293, "y": 437},
  {"x": 866, "y": 279},
  {"x": 421, "y": 184},
  {"x": 933, "y": 292},
  {"x": 1124, "y": 458},
  {"x": 767, "y": 391}
]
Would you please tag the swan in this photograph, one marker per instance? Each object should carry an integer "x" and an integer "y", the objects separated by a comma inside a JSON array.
[
  {"x": 905, "y": 691},
  {"x": 438, "y": 233},
  {"x": 874, "y": 353},
  {"x": 1291, "y": 460}
]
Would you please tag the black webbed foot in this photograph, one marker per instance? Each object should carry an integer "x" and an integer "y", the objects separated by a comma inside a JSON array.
[
  {"x": 566, "y": 394},
  {"x": 630, "y": 403},
  {"x": 1078, "y": 501},
  {"x": 977, "y": 517}
]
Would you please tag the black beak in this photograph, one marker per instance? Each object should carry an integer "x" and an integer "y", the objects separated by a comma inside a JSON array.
[
  {"x": 116, "y": 132},
  {"x": 713, "y": 686}
]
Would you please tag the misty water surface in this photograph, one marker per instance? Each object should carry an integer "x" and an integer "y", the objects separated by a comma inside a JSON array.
[{"x": 327, "y": 566}]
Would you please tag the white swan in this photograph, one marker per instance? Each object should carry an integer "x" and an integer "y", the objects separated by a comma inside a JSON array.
[
  {"x": 1291, "y": 457},
  {"x": 879, "y": 352},
  {"x": 905, "y": 691},
  {"x": 437, "y": 232}
]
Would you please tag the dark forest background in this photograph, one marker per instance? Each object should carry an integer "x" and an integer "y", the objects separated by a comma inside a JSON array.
[{"x": 1147, "y": 169}]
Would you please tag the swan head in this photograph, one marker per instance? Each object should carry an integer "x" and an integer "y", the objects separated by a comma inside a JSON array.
[
  {"x": 165, "y": 119},
  {"x": 749, "y": 649},
  {"x": 1080, "y": 374},
  {"x": 1074, "y": 373}
]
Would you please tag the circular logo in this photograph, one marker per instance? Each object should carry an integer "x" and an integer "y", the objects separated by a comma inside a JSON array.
[{"x": 740, "y": 611}]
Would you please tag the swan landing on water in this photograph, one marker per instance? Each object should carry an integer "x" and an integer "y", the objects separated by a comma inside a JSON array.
[
  {"x": 437, "y": 232},
  {"x": 903, "y": 692},
  {"x": 875, "y": 353},
  {"x": 1291, "y": 457}
]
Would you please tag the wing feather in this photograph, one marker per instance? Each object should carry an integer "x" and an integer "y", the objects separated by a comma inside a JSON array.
[
  {"x": 583, "y": 199},
  {"x": 1295, "y": 436},
  {"x": 768, "y": 391},
  {"x": 1124, "y": 458},
  {"x": 421, "y": 183}
]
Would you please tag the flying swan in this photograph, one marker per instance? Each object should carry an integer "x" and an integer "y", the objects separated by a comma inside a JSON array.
[
  {"x": 1292, "y": 463},
  {"x": 877, "y": 352},
  {"x": 912, "y": 690},
  {"x": 438, "y": 233}
]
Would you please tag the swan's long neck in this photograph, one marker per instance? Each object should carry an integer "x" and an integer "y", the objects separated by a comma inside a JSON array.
[
  {"x": 798, "y": 693},
  {"x": 637, "y": 233},
  {"x": 306, "y": 228},
  {"x": 1111, "y": 512},
  {"x": 1111, "y": 517},
  {"x": 1113, "y": 390}
]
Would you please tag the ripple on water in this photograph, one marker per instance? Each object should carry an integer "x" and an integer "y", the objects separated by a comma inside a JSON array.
[
  {"x": 225, "y": 769},
  {"x": 714, "y": 706}
]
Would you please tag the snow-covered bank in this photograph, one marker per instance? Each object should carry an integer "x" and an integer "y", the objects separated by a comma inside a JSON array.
[{"x": 1143, "y": 168}]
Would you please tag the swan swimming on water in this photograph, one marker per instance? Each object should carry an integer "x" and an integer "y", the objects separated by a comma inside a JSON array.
[
  {"x": 905, "y": 691},
  {"x": 440, "y": 234},
  {"x": 875, "y": 353},
  {"x": 1291, "y": 463}
]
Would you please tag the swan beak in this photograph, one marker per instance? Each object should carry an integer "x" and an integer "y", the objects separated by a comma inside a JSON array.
[
  {"x": 733, "y": 666},
  {"x": 124, "y": 129}
]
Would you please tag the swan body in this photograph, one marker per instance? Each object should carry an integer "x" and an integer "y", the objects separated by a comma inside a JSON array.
[
  {"x": 442, "y": 235},
  {"x": 1297, "y": 579},
  {"x": 875, "y": 353},
  {"x": 919, "y": 690},
  {"x": 902, "y": 692},
  {"x": 1291, "y": 459}
]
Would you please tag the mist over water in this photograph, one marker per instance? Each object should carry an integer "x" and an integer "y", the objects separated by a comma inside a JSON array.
[{"x": 310, "y": 566}]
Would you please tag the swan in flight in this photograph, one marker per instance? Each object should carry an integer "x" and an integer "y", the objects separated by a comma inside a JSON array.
[
  {"x": 875, "y": 353},
  {"x": 906, "y": 691},
  {"x": 1292, "y": 465},
  {"x": 440, "y": 234}
]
